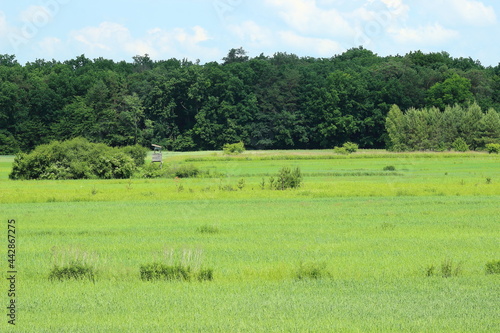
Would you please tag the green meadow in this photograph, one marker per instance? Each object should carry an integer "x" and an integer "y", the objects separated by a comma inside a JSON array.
[{"x": 370, "y": 242}]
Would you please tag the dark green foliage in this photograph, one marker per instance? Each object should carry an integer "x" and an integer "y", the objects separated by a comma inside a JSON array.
[
  {"x": 461, "y": 128},
  {"x": 73, "y": 159},
  {"x": 138, "y": 154},
  {"x": 234, "y": 148},
  {"x": 73, "y": 271},
  {"x": 158, "y": 271},
  {"x": 460, "y": 145},
  {"x": 278, "y": 102},
  {"x": 8, "y": 144},
  {"x": 493, "y": 267},
  {"x": 493, "y": 148},
  {"x": 286, "y": 178},
  {"x": 390, "y": 168}
]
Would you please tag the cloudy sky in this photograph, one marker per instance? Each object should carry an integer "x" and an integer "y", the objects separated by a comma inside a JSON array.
[{"x": 207, "y": 29}]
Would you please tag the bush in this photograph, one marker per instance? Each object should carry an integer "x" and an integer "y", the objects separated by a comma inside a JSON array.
[
  {"x": 390, "y": 168},
  {"x": 460, "y": 145},
  {"x": 184, "y": 170},
  {"x": 493, "y": 148},
  {"x": 73, "y": 159},
  {"x": 341, "y": 150},
  {"x": 286, "y": 178},
  {"x": 346, "y": 149},
  {"x": 138, "y": 154},
  {"x": 493, "y": 267},
  {"x": 351, "y": 147},
  {"x": 234, "y": 148}
]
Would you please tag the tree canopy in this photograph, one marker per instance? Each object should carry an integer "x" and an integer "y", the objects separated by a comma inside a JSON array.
[{"x": 277, "y": 102}]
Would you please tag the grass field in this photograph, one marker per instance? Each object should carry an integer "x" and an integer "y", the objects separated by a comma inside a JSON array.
[{"x": 356, "y": 249}]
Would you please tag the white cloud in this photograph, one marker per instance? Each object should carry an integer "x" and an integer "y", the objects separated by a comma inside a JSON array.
[
  {"x": 473, "y": 12},
  {"x": 37, "y": 15},
  {"x": 306, "y": 17},
  {"x": 461, "y": 13},
  {"x": 105, "y": 37},
  {"x": 426, "y": 35},
  {"x": 113, "y": 38},
  {"x": 4, "y": 26},
  {"x": 319, "y": 46},
  {"x": 51, "y": 46},
  {"x": 251, "y": 32}
]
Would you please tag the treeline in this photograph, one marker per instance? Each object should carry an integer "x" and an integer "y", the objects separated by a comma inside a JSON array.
[
  {"x": 459, "y": 128},
  {"x": 277, "y": 102}
]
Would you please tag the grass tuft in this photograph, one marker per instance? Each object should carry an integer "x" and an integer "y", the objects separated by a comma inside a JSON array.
[
  {"x": 311, "y": 270},
  {"x": 493, "y": 267}
]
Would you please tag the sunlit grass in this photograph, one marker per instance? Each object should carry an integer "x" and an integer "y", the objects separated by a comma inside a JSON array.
[{"x": 372, "y": 236}]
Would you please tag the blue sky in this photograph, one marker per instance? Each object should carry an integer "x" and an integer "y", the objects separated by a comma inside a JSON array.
[{"x": 207, "y": 29}]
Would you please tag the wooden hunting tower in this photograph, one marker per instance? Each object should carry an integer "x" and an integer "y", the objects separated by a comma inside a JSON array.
[{"x": 157, "y": 155}]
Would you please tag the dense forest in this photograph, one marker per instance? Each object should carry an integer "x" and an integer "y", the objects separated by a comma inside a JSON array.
[{"x": 278, "y": 102}]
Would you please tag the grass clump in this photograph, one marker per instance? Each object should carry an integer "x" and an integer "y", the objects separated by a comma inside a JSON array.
[
  {"x": 73, "y": 264},
  {"x": 186, "y": 267},
  {"x": 390, "y": 168},
  {"x": 75, "y": 271},
  {"x": 311, "y": 271},
  {"x": 448, "y": 269},
  {"x": 208, "y": 229},
  {"x": 493, "y": 267}
]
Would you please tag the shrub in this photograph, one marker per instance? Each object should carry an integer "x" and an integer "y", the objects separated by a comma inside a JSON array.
[
  {"x": 493, "y": 267},
  {"x": 286, "y": 178},
  {"x": 341, "y": 150},
  {"x": 184, "y": 170},
  {"x": 493, "y": 148},
  {"x": 138, "y": 154},
  {"x": 234, "y": 148},
  {"x": 152, "y": 170},
  {"x": 346, "y": 149},
  {"x": 390, "y": 168},
  {"x": 73, "y": 159},
  {"x": 460, "y": 145},
  {"x": 351, "y": 147}
]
